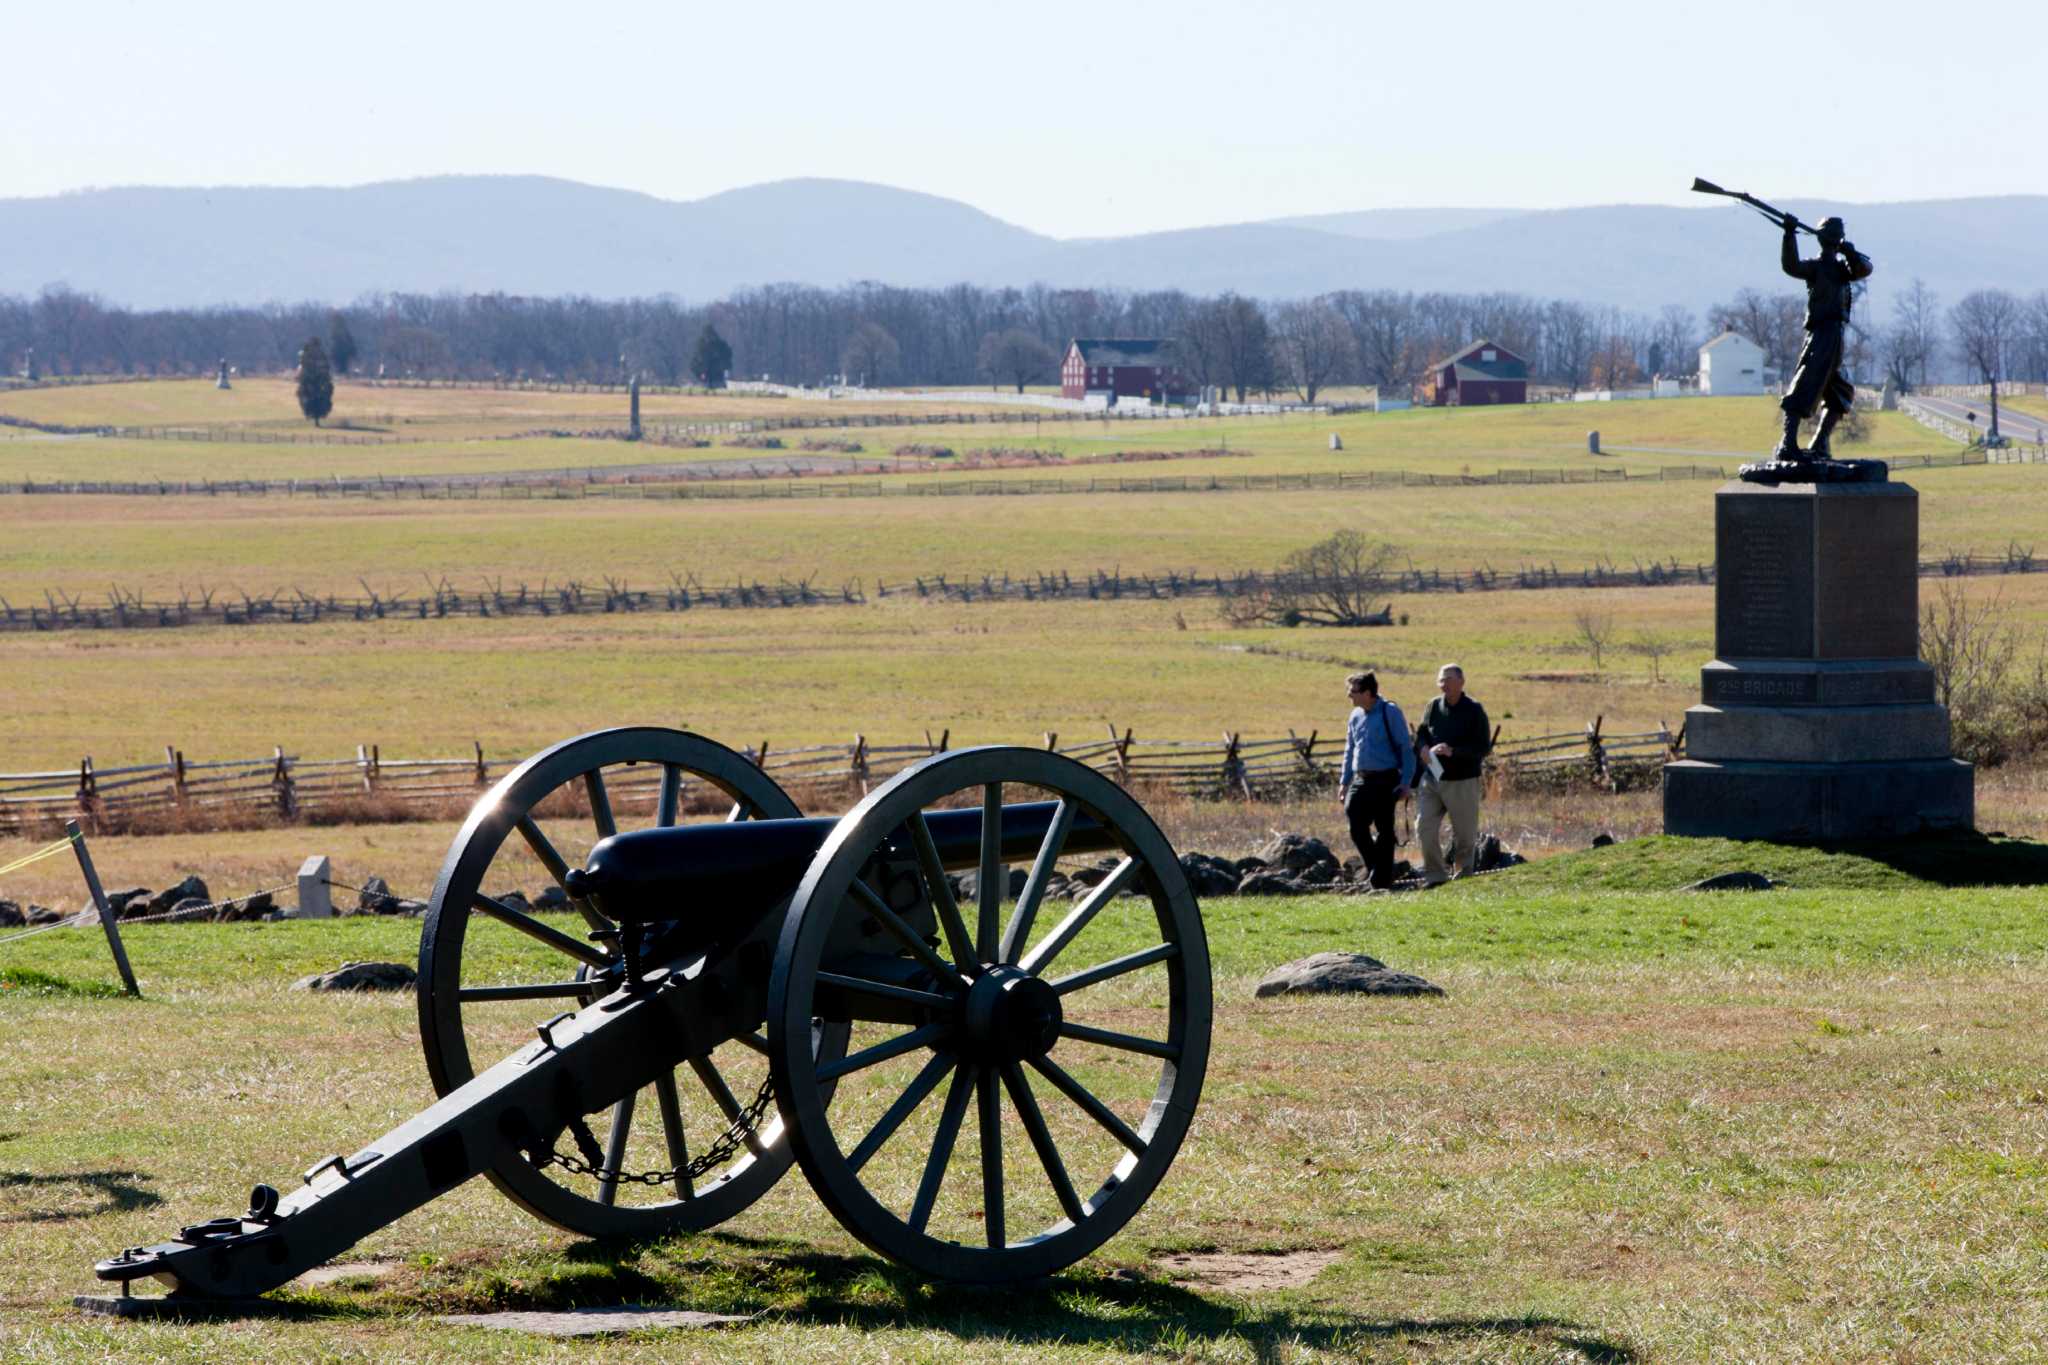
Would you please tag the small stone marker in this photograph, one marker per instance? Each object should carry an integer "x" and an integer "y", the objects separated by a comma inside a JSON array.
[
  {"x": 360, "y": 976},
  {"x": 1336, "y": 441},
  {"x": 1592, "y": 443},
  {"x": 222, "y": 381},
  {"x": 594, "y": 1322},
  {"x": 316, "y": 899},
  {"x": 1342, "y": 974}
]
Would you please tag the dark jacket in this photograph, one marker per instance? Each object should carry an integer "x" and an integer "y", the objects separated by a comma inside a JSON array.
[
  {"x": 1464, "y": 727},
  {"x": 1828, "y": 279}
]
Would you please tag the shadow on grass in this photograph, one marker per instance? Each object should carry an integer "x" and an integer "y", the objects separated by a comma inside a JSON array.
[
  {"x": 1954, "y": 858},
  {"x": 119, "y": 1191},
  {"x": 1123, "y": 1311}
]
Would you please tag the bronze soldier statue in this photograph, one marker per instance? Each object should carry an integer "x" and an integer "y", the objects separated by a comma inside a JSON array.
[{"x": 1830, "y": 280}]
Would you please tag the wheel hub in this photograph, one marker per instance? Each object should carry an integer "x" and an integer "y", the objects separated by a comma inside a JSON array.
[{"x": 1010, "y": 1016}]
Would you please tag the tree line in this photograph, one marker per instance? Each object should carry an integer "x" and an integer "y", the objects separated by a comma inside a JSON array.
[{"x": 879, "y": 335}]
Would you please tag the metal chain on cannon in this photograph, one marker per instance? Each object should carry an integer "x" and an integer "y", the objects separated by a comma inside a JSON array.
[{"x": 722, "y": 1150}]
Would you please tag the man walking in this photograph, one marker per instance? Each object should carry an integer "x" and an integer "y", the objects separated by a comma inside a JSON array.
[
  {"x": 1454, "y": 736},
  {"x": 1379, "y": 763}
]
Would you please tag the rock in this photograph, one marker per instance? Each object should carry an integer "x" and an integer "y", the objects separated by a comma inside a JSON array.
[
  {"x": 552, "y": 898},
  {"x": 262, "y": 905},
  {"x": 970, "y": 885},
  {"x": 516, "y": 899},
  {"x": 125, "y": 904},
  {"x": 1492, "y": 856},
  {"x": 191, "y": 908},
  {"x": 1268, "y": 883},
  {"x": 360, "y": 976},
  {"x": 1209, "y": 876},
  {"x": 1058, "y": 888},
  {"x": 1603, "y": 840},
  {"x": 43, "y": 914},
  {"x": 1244, "y": 865},
  {"x": 11, "y": 916},
  {"x": 1096, "y": 873},
  {"x": 1342, "y": 973},
  {"x": 1733, "y": 881},
  {"x": 192, "y": 888},
  {"x": 377, "y": 898},
  {"x": 1297, "y": 853}
]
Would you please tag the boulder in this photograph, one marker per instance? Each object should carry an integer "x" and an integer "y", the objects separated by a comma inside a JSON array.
[
  {"x": 262, "y": 905},
  {"x": 126, "y": 903},
  {"x": 11, "y": 916},
  {"x": 516, "y": 899},
  {"x": 1297, "y": 853},
  {"x": 552, "y": 897},
  {"x": 377, "y": 898},
  {"x": 1244, "y": 865},
  {"x": 1342, "y": 973},
  {"x": 360, "y": 976},
  {"x": 1733, "y": 881},
  {"x": 192, "y": 888},
  {"x": 1268, "y": 883},
  {"x": 970, "y": 884},
  {"x": 190, "y": 908},
  {"x": 43, "y": 914},
  {"x": 1210, "y": 876},
  {"x": 1603, "y": 840}
]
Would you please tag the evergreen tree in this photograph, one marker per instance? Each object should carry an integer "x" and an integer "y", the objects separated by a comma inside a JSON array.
[
  {"x": 712, "y": 360},
  {"x": 341, "y": 343},
  {"x": 316, "y": 381}
]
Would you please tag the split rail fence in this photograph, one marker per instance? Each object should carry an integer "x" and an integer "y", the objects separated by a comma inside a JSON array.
[{"x": 287, "y": 787}]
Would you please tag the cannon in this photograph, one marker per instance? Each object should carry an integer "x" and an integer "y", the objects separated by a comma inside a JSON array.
[{"x": 741, "y": 988}]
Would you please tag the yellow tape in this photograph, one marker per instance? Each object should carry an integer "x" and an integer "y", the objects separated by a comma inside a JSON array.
[{"x": 60, "y": 846}]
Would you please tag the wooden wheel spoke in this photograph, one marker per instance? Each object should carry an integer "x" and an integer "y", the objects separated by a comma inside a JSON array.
[
  {"x": 1115, "y": 967},
  {"x": 881, "y": 1052},
  {"x": 533, "y": 928},
  {"x": 885, "y": 990},
  {"x": 990, "y": 1096},
  {"x": 671, "y": 795},
  {"x": 615, "y": 1151},
  {"x": 989, "y": 883},
  {"x": 600, "y": 803},
  {"x": 672, "y": 1132},
  {"x": 551, "y": 859},
  {"x": 942, "y": 1148},
  {"x": 756, "y": 1042},
  {"x": 1081, "y": 1033},
  {"x": 1041, "y": 1141},
  {"x": 1077, "y": 919},
  {"x": 722, "y": 1096},
  {"x": 906, "y": 1104},
  {"x": 900, "y": 930},
  {"x": 741, "y": 810},
  {"x": 1019, "y": 932},
  {"x": 545, "y": 990},
  {"x": 943, "y": 905},
  {"x": 1091, "y": 1106}
]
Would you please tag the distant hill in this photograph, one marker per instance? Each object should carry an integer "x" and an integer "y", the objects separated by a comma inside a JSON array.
[{"x": 538, "y": 236}]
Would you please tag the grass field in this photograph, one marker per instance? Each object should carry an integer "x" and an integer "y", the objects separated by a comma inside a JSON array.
[{"x": 1643, "y": 1125}]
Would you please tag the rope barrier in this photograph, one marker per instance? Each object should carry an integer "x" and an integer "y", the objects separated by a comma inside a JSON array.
[{"x": 48, "y": 851}]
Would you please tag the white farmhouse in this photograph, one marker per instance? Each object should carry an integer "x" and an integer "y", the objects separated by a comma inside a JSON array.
[{"x": 1731, "y": 364}]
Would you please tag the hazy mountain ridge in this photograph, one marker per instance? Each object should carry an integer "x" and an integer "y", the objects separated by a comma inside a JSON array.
[{"x": 535, "y": 235}]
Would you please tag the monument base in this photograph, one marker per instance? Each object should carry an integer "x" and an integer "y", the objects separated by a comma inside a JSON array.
[{"x": 1797, "y": 802}]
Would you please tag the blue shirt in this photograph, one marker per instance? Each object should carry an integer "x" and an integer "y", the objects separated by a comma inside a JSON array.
[{"x": 1376, "y": 740}]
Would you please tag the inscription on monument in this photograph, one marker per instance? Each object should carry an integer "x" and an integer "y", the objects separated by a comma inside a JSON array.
[
  {"x": 1868, "y": 546},
  {"x": 1763, "y": 593}
]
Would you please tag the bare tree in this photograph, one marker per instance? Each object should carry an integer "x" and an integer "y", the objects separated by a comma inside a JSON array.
[
  {"x": 1654, "y": 646},
  {"x": 1382, "y": 326},
  {"x": 1674, "y": 342},
  {"x": 1341, "y": 580},
  {"x": 1570, "y": 338},
  {"x": 1239, "y": 341},
  {"x": 1967, "y": 643},
  {"x": 1311, "y": 345},
  {"x": 1595, "y": 627},
  {"x": 1912, "y": 340},
  {"x": 870, "y": 355},
  {"x": 1986, "y": 324},
  {"x": 1014, "y": 356}
]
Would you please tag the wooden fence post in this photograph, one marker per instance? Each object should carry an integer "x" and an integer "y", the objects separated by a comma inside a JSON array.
[
  {"x": 1233, "y": 765},
  {"x": 1122, "y": 749},
  {"x": 175, "y": 761},
  {"x": 1305, "y": 750},
  {"x": 1052, "y": 741},
  {"x": 281, "y": 782},
  {"x": 859, "y": 762},
  {"x": 483, "y": 772},
  {"x": 88, "y": 792},
  {"x": 1596, "y": 752}
]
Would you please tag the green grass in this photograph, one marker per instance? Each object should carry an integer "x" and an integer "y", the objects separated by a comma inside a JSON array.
[{"x": 1643, "y": 1125}]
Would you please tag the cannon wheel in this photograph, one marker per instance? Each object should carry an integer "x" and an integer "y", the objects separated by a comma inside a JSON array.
[
  {"x": 1000, "y": 1017},
  {"x": 452, "y": 1004}
]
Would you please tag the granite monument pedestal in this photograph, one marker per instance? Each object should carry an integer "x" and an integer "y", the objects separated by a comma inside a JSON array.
[{"x": 1817, "y": 719}]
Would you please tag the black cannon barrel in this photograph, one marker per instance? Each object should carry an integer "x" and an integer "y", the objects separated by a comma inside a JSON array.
[{"x": 744, "y": 869}]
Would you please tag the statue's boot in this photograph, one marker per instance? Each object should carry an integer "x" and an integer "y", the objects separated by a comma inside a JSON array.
[
  {"x": 1819, "y": 449},
  {"x": 1788, "y": 444}
]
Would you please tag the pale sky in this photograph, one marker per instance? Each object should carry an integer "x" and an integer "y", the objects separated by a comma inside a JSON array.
[{"x": 1073, "y": 119}]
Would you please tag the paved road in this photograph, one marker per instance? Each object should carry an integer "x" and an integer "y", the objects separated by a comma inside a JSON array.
[{"x": 2021, "y": 428}]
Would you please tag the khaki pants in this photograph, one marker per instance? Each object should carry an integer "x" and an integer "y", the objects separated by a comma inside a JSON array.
[{"x": 1460, "y": 800}]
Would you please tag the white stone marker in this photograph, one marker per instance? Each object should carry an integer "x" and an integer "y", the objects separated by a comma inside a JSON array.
[{"x": 315, "y": 899}]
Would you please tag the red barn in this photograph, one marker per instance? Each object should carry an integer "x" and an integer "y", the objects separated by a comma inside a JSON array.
[
  {"x": 1120, "y": 368},
  {"x": 1481, "y": 373}
]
